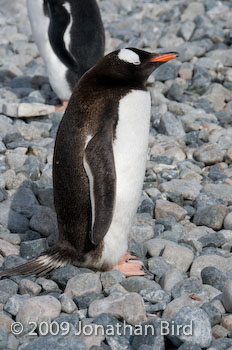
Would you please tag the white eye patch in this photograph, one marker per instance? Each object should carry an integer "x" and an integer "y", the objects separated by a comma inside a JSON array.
[{"x": 129, "y": 56}]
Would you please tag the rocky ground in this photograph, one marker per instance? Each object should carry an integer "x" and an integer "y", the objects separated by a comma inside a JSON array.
[{"x": 183, "y": 229}]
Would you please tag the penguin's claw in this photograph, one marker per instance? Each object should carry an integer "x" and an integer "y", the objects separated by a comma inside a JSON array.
[
  {"x": 130, "y": 269},
  {"x": 62, "y": 107}
]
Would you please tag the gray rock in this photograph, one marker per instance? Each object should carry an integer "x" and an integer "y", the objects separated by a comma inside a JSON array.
[
  {"x": 146, "y": 206},
  {"x": 67, "y": 304},
  {"x": 193, "y": 10},
  {"x": 8, "y": 286},
  {"x": 117, "y": 342},
  {"x": 207, "y": 63},
  {"x": 4, "y": 297},
  {"x": 213, "y": 313},
  {"x": 176, "y": 92},
  {"x": 228, "y": 221},
  {"x": 155, "y": 296},
  {"x": 212, "y": 216},
  {"x": 227, "y": 296},
  {"x": 54, "y": 343},
  {"x": 188, "y": 189},
  {"x": 189, "y": 346},
  {"x": 29, "y": 287},
  {"x": 165, "y": 208},
  {"x": 186, "y": 71},
  {"x": 212, "y": 240},
  {"x": 201, "y": 328},
  {"x": 223, "y": 264},
  {"x": 194, "y": 48},
  {"x": 46, "y": 177},
  {"x": 224, "y": 56},
  {"x": 221, "y": 344},
  {"x": 5, "y": 322},
  {"x": 45, "y": 196},
  {"x": 47, "y": 284},
  {"x": 44, "y": 221},
  {"x": 85, "y": 300},
  {"x": 110, "y": 278},
  {"x": 170, "y": 125},
  {"x": 16, "y": 159},
  {"x": 142, "y": 232},
  {"x": 170, "y": 278},
  {"x": 168, "y": 71},
  {"x": 158, "y": 266},
  {"x": 156, "y": 246},
  {"x": 207, "y": 199},
  {"x": 38, "y": 309},
  {"x": 33, "y": 249},
  {"x": 3, "y": 338},
  {"x": 220, "y": 191},
  {"x": 170, "y": 39},
  {"x": 179, "y": 255},
  {"x": 63, "y": 274},
  {"x": 82, "y": 284},
  {"x": 209, "y": 154},
  {"x": 24, "y": 202},
  {"x": 150, "y": 336},
  {"x": 137, "y": 249},
  {"x": 201, "y": 80},
  {"x": 8, "y": 249},
  {"x": 121, "y": 306},
  {"x": 12, "y": 261},
  {"x": 186, "y": 30},
  {"x": 14, "y": 221},
  {"x": 188, "y": 286},
  {"x": 217, "y": 95},
  {"x": 14, "y": 303},
  {"x": 138, "y": 283}
]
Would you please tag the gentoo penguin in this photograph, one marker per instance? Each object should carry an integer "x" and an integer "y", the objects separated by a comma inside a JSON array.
[
  {"x": 99, "y": 164},
  {"x": 70, "y": 38}
]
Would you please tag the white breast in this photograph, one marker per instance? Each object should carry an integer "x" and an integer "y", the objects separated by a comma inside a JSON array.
[
  {"x": 130, "y": 152},
  {"x": 56, "y": 69}
]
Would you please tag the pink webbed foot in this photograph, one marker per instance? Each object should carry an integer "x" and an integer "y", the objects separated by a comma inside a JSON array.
[
  {"x": 128, "y": 267},
  {"x": 127, "y": 257},
  {"x": 62, "y": 107}
]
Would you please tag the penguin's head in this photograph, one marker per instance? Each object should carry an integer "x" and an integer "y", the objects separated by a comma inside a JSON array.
[{"x": 132, "y": 64}]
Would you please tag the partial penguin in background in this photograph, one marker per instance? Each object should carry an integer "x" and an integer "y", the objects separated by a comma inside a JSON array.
[{"x": 70, "y": 38}]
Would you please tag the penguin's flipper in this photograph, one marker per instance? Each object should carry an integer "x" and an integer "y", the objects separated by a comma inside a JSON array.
[
  {"x": 59, "y": 21},
  {"x": 100, "y": 169}
]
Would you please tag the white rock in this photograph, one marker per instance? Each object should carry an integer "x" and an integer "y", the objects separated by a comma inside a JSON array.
[{"x": 34, "y": 109}]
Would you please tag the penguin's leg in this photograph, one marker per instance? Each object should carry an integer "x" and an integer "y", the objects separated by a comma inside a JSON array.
[{"x": 62, "y": 107}]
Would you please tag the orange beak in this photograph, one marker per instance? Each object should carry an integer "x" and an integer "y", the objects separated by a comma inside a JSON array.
[{"x": 165, "y": 57}]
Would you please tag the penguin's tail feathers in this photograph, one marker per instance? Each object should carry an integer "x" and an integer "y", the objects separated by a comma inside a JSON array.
[{"x": 38, "y": 266}]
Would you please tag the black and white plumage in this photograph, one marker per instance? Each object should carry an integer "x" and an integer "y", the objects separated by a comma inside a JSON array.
[
  {"x": 99, "y": 162},
  {"x": 70, "y": 38}
]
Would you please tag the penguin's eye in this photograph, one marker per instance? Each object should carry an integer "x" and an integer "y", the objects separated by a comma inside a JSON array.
[{"x": 129, "y": 56}]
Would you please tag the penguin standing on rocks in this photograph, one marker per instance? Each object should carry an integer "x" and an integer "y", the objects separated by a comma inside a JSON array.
[
  {"x": 99, "y": 165},
  {"x": 70, "y": 38}
]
